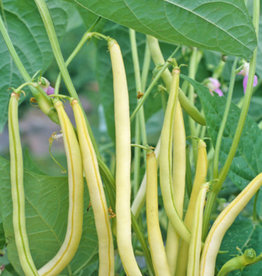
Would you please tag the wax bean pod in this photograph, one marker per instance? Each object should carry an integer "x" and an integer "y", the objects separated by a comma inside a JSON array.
[
  {"x": 17, "y": 189},
  {"x": 75, "y": 211},
  {"x": 155, "y": 240},
  {"x": 196, "y": 242},
  {"x": 221, "y": 225},
  {"x": 165, "y": 161},
  {"x": 96, "y": 192},
  {"x": 123, "y": 161}
]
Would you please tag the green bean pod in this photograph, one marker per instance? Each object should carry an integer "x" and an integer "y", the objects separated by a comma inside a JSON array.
[
  {"x": 76, "y": 187},
  {"x": 96, "y": 192},
  {"x": 123, "y": 161},
  {"x": 17, "y": 189}
]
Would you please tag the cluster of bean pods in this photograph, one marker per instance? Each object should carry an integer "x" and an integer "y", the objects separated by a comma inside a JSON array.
[{"x": 184, "y": 252}]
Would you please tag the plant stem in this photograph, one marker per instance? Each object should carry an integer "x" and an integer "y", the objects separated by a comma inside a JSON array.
[
  {"x": 88, "y": 35},
  {"x": 193, "y": 64},
  {"x": 49, "y": 26},
  {"x": 13, "y": 52},
  {"x": 224, "y": 120},
  {"x": 222, "y": 175},
  {"x": 152, "y": 84},
  {"x": 139, "y": 122}
]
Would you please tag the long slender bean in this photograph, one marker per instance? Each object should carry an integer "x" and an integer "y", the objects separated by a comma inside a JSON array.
[
  {"x": 165, "y": 161},
  {"x": 156, "y": 244},
  {"x": 123, "y": 160},
  {"x": 17, "y": 189},
  {"x": 179, "y": 177},
  {"x": 222, "y": 223},
  {"x": 75, "y": 211},
  {"x": 96, "y": 192}
]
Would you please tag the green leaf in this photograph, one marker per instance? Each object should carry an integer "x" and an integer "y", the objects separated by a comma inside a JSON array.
[
  {"x": 243, "y": 234},
  {"x": 223, "y": 26},
  {"x": 259, "y": 50},
  {"x": 30, "y": 40},
  {"x": 105, "y": 79},
  {"x": 46, "y": 219},
  {"x": 247, "y": 162}
]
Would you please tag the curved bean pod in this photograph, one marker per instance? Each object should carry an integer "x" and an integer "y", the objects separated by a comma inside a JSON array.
[
  {"x": 123, "y": 161},
  {"x": 97, "y": 195},
  {"x": 165, "y": 161},
  {"x": 221, "y": 225},
  {"x": 76, "y": 187},
  {"x": 200, "y": 178},
  {"x": 17, "y": 189},
  {"x": 179, "y": 176}
]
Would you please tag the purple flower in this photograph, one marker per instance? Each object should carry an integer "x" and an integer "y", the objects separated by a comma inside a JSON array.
[
  {"x": 49, "y": 90},
  {"x": 45, "y": 85},
  {"x": 214, "y": 86},
  {"x": 244, "y": 72}
]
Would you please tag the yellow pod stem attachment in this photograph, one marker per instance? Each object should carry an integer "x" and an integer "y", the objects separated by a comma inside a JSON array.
[
  {"x": 155, "y": 240},
  {"x": 96, "y": 192},
  {"x": 123, "y": 161},
  {"x": 165, "y": 161},
  {"x": 196, "y": 241},
  {"x": 221, "y": 225},
  {"x": 75, "y": 211},
  {"x": 17, "y": 189}
]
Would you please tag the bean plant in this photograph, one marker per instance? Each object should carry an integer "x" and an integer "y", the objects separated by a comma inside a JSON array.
[{"x": 173, "y": 189}]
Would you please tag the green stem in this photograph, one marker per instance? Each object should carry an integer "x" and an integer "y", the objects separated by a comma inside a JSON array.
[
  {"x": 143, "y": 243},
  {"x": 193, "y": 64},
  {"x": 44, "y": 102},
  {"x": 152, "y": 84},
  {"x": 49, "y": 26},
  {"x": 79, "y": 46},
  {"x": 137, "y": 157},
  {"x": 13, "y": 52},
  {"x": 224, "y": 120},
  {"x": 222, "y": 176},
  {"x": 88, "y": 35}
]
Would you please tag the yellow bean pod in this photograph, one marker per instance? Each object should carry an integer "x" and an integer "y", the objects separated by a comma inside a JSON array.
[
  {"x": 75, "y": 212},
  {"x": 221, "y": 225},
  {"x": 17, "y": 189},
  {"x": 179, "y": 176},
  {"x": 200, "y": 178},
  {"x": 96, "y": 192},
  {"x": 157, "y": 249},
  {"x": 196, "y": 241},
  {"x": 123, "y": 161},
  {"x": 165, "y": 161}
]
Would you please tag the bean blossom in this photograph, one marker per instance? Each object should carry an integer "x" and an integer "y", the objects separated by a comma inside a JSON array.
[
  {"x": 214, "y": 86},
  {"x": 244, "y": 72}
]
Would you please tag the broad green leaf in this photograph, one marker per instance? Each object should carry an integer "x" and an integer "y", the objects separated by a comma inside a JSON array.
[
  {"x": 259, "y": 51},
  {"x": 30, "y": 40},
  {"x": 247, "y": 162},
  {"x": 223, "y": 26},
  {"x": 243, "y": 234},
  {"x": 104, "y": 74},
  {"x": 46, "y": 219}
]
